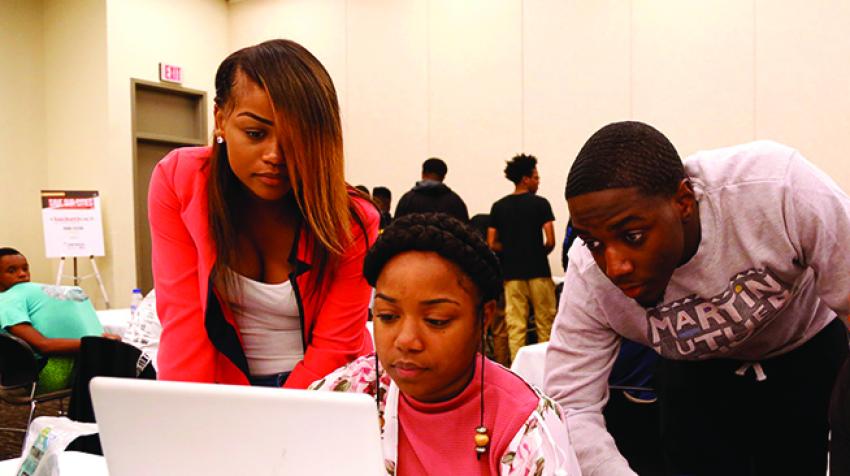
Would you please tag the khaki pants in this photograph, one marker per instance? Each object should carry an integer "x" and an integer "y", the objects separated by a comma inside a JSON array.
[
  {"x": 518, "y": 292},
  {"x": 501, "y": 349}
]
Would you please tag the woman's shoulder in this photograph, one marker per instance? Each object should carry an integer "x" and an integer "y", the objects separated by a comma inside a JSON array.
[
  {"x": 358, "y": 376},
  {"x": 366, "y": 212},
  {"x": 541, "y": 444},
  {"x": 185, "y": 163},
  {"x": 512, "y": 386}
]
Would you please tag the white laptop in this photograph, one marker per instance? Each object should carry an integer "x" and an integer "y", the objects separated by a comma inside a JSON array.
[{"x": 150, "y": 427}]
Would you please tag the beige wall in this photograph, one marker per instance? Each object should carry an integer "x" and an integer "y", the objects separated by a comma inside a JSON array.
[
  {"x": 141, "y": 34},
  {"x": 66, "y": 118},
  {"x": 471, "y": 81},
  {"x": 23, "y": 170},
  {"x": 476, "y": 81},
  {"x": 75, "y": 99},
  {"x": 802, "y": 83}
]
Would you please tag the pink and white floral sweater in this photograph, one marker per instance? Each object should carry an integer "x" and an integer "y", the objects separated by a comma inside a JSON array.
[{"x": 527, "y": 430}]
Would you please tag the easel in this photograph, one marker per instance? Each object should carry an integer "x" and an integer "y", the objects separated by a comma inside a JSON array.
[{"x": 77, "y": 278}]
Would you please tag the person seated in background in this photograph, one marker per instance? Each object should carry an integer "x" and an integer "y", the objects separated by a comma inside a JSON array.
[
  {"x": 51, "y": 319},
  {"x": 384, "y": 199},
  {"x": 445, "y": 408}
]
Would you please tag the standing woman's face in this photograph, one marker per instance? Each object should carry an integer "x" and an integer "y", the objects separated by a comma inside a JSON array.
[
  {"x": 247, "y": 124},
  {"x": 427, "y": 327}
]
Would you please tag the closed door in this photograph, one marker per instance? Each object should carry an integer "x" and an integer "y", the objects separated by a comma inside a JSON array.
[{"x": 165, "y": 117}]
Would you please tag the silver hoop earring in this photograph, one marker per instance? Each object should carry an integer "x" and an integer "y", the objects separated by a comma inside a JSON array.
[{"x": 219, "y": 140}]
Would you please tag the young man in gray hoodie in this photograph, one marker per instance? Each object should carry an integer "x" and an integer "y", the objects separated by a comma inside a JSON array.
[{"x": 733, "y": 267}]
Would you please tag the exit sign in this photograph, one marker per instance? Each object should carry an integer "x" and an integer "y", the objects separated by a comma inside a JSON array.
[{"x": 170, "y": 73}]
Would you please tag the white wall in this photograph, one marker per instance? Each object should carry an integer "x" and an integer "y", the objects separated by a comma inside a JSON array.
[
  {"x": 23, "y": 169},
  {"x": 477, "y": 81}
]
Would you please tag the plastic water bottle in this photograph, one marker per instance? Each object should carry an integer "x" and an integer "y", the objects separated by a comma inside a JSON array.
[{"x": 135, "y": 302}]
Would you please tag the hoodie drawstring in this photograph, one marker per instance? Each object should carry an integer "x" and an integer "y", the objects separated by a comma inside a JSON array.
[{"x": 761, "y": 376}]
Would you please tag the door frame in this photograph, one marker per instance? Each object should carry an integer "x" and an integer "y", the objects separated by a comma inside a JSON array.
[{"x": 137, "y": 136}]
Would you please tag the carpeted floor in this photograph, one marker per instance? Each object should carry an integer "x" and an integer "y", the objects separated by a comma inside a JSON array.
[{"x": 16, "y": 417}]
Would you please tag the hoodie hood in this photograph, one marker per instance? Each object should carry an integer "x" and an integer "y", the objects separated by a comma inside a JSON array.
[{"x": 431, "y": 187}]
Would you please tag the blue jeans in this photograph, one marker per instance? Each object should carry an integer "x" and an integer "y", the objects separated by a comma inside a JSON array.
[{"x": 274, "y": 380}]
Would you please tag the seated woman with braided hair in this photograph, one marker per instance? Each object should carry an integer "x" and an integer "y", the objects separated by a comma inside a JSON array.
[{"x": 445, "y": 409}]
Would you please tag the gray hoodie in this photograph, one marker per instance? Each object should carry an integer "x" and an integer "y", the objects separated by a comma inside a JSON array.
[{"x": 772, "y": 270}]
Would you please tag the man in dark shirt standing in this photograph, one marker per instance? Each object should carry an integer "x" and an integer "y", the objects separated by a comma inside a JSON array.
[
  {"x": 515, "y": 233},
  {"x": 431, "y": 195}
]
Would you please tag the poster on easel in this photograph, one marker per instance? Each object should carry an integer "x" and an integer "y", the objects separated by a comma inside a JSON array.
[{"x": 73, "y": 226}]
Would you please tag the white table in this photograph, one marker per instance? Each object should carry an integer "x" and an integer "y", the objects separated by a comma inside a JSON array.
[
  {"x": 71, "y": 463},
  {"x": 530, "y": 363},
  {"x": 114, "y": 321}
]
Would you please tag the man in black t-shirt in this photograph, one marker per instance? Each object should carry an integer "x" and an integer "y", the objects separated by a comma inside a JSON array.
[{"x": 515, "y": 233}]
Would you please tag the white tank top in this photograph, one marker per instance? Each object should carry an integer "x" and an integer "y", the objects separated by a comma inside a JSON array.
[{"x": 268, "y": 319}]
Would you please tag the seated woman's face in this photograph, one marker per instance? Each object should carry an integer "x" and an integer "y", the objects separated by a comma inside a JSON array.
[
  {"x": 426, "y": 325},
  {"x": 253, "y": 150}
]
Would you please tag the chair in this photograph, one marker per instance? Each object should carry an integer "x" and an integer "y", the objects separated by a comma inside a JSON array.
[
  {"x": 102, "y": 357},
  {"x": 19, "y": 369}
]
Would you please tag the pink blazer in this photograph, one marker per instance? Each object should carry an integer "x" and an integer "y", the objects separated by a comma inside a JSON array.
[{"x": 200, "y": 340}]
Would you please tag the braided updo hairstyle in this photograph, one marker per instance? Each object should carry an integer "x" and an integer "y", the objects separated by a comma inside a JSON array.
[
  {"x": 625, "y": 155},
  {"x": 458, "y": 243},
  {"x": 445, "y": 236}
]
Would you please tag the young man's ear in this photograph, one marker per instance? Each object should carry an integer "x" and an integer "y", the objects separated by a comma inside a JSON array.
[{"x": 686, "y": 200}]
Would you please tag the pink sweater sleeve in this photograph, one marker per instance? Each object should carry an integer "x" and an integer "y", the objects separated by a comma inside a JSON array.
[
  {"x": 339, "y": 334},
  {"x": 185, "y": 352}
]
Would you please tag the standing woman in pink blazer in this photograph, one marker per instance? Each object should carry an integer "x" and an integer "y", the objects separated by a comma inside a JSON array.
[{"x": 258, "y": 242}]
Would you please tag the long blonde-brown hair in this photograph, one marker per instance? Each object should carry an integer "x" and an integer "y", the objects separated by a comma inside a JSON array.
[{"x": 309, "y": 131}]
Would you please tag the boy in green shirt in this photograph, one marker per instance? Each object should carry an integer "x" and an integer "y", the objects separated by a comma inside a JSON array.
[{"x": 51, "y": 319}]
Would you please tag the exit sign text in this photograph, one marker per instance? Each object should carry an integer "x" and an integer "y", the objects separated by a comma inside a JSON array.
[{"x": 170, "y": 73}]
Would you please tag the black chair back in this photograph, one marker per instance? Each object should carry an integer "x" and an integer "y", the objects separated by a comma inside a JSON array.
[{"x": 18, "y": 364}]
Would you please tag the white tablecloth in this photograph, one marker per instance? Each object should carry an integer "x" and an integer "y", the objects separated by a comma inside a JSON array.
[
  {"x": 114, "y": 321},
  {"x": 530, "y": 363},
  {"x": 71, "y": 463}
]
